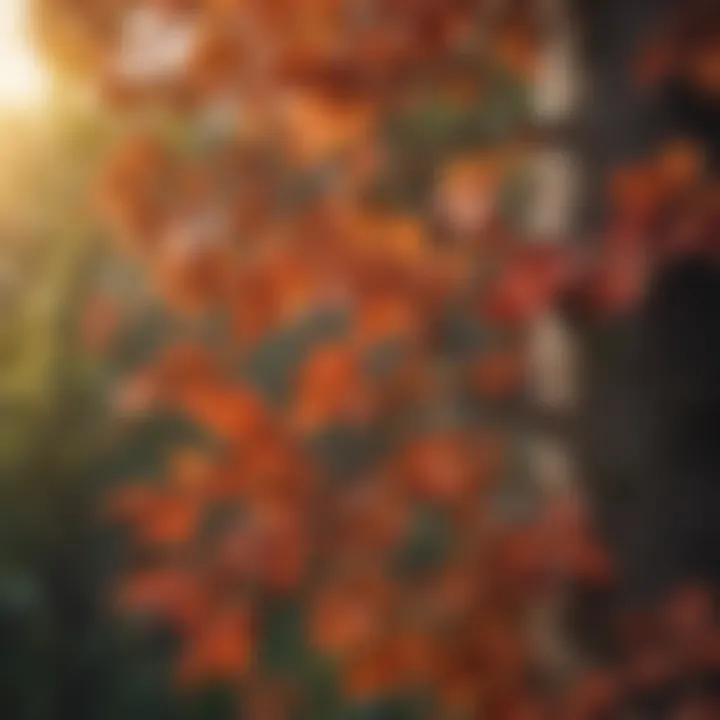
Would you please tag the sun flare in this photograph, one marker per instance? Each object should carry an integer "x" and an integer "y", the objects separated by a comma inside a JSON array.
[{"x": 23, "y": 80}]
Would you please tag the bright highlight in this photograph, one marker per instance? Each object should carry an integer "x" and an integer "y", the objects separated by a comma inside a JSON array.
[{"x": 23, "y": 79}]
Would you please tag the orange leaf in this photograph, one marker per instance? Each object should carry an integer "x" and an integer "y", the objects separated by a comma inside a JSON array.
[{"x": 221, "y": 649}]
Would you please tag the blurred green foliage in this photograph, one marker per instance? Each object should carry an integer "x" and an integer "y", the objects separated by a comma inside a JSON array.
[
  {"x": 50, "y": 416},
  {"x": 47, "y": 242}
]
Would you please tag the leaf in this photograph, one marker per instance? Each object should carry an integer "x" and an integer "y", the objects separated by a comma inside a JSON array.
[{"x": 222, "y": 648}]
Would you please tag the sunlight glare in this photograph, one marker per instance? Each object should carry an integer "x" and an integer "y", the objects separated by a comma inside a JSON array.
[{"x": 22, "y": 77}]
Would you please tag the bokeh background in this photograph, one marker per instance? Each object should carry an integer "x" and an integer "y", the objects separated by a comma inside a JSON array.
[{"x": 608, "y": 410}]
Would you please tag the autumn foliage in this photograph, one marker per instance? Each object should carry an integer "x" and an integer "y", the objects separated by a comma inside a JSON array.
[{"x": 363, "y": 488}]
